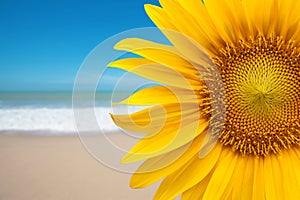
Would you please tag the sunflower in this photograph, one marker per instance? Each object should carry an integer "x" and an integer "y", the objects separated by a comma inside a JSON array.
[{"x": 232, "y": 136}]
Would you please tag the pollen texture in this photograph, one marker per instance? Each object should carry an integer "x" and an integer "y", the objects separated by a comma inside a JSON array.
[{"x": 261, "y": 77}]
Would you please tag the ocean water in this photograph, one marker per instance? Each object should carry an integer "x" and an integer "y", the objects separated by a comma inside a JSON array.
[{"x": 48, "y": 113}]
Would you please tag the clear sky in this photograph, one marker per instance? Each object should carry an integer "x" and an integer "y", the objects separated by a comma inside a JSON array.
[{"x": 43, "y": 42}]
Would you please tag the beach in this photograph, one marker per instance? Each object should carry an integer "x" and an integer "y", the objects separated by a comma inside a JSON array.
[
  {"x": 43, "y": 157},
  {"x": 59, "y": 168}
]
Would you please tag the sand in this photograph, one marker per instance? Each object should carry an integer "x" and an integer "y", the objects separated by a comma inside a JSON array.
[{"x": 59, "y": 167}]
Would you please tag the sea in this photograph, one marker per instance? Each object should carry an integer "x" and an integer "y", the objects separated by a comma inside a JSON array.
[{"x": 49, "y": 112}]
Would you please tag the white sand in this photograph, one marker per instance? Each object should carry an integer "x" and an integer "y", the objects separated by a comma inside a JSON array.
[{"x": 59, "y": 168}]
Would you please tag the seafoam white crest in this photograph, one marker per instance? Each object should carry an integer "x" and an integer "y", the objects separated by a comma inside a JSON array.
[{"x": 48, "y": 121}]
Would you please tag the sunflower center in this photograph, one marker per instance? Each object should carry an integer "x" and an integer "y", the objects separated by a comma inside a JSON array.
[{"x": 262, "y": 82}]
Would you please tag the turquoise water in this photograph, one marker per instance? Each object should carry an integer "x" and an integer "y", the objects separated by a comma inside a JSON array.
[{"x": 53, "y": 98}]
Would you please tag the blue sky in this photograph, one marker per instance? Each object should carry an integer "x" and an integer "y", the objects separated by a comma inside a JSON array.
[{"x": 43, "y": 43}]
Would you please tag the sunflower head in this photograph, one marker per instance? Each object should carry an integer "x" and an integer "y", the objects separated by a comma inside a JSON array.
[
  {"x": 240, "y": 61},
  {"x": 261, "y": 78}
]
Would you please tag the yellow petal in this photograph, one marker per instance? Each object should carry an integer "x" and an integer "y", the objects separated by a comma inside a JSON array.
[
  {"x": 191, "y": 50},
  {"x": 288, "y": 176},
  {"x": 183, "y": 21},
  {"x": 203, "y": 33},
  {"x": 291, "y": 174},
  {"x": 288, "y": 25},
  {"x": 165, "y": 141},
  {"x": 277, "y": 160},
  {"x": 223, "y": 19},
  {"x": 211, "y": 39},
  {"x": 155, "y": 168},
  {"x": 269, "y": 178},
  {"x": 247, "y": 183},
  {"x": 161, "y": 95},
  {"x": 260, "y": 14},
  {"x": 159, "y": 53},
  {"x": 221, "y": 176},
  {"x": 159, "y": 17},
  {"x": 197, "y": 191},
  {"x": 157, "y": 72},
  {"x": 258, "y": 180},
  {"x": 243, "y": 177},
  {"x": 188, "y": 176},
  {"x": 154, "y": 119},
  {"x": 227, "y": 194},
  {"x": 238, "y": 14}
]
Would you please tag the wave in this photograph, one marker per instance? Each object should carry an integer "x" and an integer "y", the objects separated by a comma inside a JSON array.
[{"x": 50, "y": 121}]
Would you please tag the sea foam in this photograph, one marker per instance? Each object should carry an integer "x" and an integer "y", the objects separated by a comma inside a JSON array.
[{"x": 51, "y": 121}]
